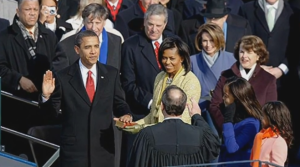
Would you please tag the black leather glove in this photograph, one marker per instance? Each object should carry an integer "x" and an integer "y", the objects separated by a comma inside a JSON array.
[{"x": 229, "y": 112}]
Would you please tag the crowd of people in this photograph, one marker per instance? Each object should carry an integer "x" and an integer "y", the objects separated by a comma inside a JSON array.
[{"x": 193, "y": 81}]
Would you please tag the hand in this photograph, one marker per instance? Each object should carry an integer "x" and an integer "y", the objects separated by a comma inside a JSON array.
[
  {"x": 44, "y": 14},
  {"x": 27, "y": 85},
  {"x": 276, "y": 72},
  {"x": 126, "y": 118},
  {"x": 266, "y": 68},
  {"x": 193, "y": 108},
  {"x": 48, "y": 85},
  {"x": 133, "y": 129},
  {"x": 229, "y": 112}
]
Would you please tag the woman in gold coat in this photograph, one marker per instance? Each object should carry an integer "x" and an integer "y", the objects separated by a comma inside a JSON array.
[{"x": 174, "y": 59}]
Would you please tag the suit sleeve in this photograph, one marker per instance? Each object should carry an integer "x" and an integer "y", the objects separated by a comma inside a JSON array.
[
  {"x": 128, "y": 78},
  {"x": 9, "y": 78},
  {"x": 211, "y": 143},
  {"x": 216, "y": 102},
  {"x": 120, "y": 106}
]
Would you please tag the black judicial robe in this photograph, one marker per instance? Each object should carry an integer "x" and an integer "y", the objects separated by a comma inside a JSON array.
[{"x": 174, "y": 142}]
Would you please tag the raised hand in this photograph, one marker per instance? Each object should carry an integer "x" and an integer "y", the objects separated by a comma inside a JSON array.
[
  {"x": 27, "y": 85},
  {"x": 48, "y": 84},
  {"x": 193, "y": 108}
]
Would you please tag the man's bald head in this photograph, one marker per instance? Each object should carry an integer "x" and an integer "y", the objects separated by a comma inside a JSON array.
[{"x": 174, "y": 100}]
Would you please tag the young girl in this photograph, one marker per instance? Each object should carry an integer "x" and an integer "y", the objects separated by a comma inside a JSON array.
[
  {"x": 242, "y": 116},
  {"x": 272, "y": 142}
]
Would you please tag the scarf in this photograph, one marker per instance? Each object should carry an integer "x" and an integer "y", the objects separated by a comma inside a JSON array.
[
  {"x": 113, "y": 11},
  {"x": 29, "y": 41},
  {"x": 263, "y": 134},
  {"x": 104, "y": 46},
  {"x": 165, "y": 84}
]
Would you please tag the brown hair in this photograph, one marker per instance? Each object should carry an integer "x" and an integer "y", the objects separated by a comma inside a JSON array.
[
  {"x": 216, "y": 34},
  {"x": 255, "y": 44},
  {"x": 244, "y": 94},
  {"x": 279, "y": 119}
]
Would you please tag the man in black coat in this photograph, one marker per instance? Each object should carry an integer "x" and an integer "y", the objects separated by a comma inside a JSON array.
[
  {"x": 27, "y": 50},
  {"x": 234, "y": 26},
  {"x": 173, "y": 142},
  {"x": 130, "y": 21},
  {"x": 94, "y": 16},
  {"x": 89, "y": 94}
]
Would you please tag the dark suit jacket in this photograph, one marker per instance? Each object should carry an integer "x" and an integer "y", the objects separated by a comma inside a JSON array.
[
  {"x": 138, "y": 71},
  {"x": 3, "y": 24},
  {"x": 66, "y": 47},
  {"x": 263, "y": 83},
  {"x": 87, "y": 135},
  {"x": 173, "y": 142},
  {"x": 131, "y": 21},
  {"x": 237, "y": 27}
]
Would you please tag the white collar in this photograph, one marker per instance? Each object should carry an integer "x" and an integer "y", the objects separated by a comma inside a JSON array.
[
  {"x": 275, "y": 5},
  {"x": 160, "y": 40},
  {"x": 114, "y": 4},
  {"x": 172, "y": 118},
  {"x": 248, "y": 75}
]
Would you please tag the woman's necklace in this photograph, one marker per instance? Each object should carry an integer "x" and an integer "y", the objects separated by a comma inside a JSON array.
[{"x": 169, "y": 81}]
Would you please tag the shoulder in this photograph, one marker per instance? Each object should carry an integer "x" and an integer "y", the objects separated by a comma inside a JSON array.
[
  {"x": 68, "y": 41},
  {"x": 266, "y": 76},
  {"x": 251, "y": 120},
  {"x": 248, "y": 5},
  {"x": 133, "y": 40},
  {"x": 194, "y": 57},
  {"x": 237, "y": 20},
  {"x": 114, "y": 34}
]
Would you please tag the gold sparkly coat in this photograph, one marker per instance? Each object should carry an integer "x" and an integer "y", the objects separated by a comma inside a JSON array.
[{"x": 189, "y": 83}]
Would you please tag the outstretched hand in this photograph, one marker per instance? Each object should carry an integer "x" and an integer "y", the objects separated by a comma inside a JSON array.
[
  {"x": 48, "y": 84},
  {"x": 193, "y": 108}
]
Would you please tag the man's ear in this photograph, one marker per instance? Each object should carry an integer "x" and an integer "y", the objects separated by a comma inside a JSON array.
[
  {"x": 17, "y": 11},
  {"x": 77, "y": 49},
  {"x": 162, "y": 106}
]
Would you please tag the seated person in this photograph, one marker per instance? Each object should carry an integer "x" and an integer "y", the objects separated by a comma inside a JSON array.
[{"x": 183, "y": 144}]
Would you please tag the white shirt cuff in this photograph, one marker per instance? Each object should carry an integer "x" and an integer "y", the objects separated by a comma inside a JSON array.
[
  {"x": 284, "y": 68},
  {"x": 149, "y": 104},
  {"x": 44, "y": 99}
]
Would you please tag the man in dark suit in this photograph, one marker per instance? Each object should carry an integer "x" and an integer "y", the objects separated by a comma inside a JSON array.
[
  {"x": 234, "y": 26},
  {"x": 172, "y": 139},
  {"x": 130, "y": 21},
  {"x": 94, "y": 16},
  {"x": 87, "y": 93},
  {"x": 3, "y": 24}
]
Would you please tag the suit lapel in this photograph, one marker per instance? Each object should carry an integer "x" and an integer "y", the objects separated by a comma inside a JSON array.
[
  {"x": 148, "y": 52},
  {"x": 281, "y": 19},
  {"x": 20, "y": 40},
  {"x": 102, "y": 82},
  {"x": 260, "y": 15},
  {"x": 77, "y": 84}
]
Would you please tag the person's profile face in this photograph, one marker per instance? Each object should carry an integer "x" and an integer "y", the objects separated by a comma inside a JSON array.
[
  {"x": 172, "y": 61},
  {"x": 247, "y": 58},
  {"x": 88, "y": 51},
  {"x": 28, "y": 13},
  {"x": 94, "y": 24},
  {"x": 227, "y": 96},
  {"x": 154, "y": 26},
  {"x": 208, "y": 44}
]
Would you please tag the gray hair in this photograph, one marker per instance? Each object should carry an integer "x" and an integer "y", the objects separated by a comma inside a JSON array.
[
  {"x": 96, "y": 10},
  {"x": 156, "y": 9},
  {"x": 82, "y": 34},
  {"x": 84, "y": 3},
  {"x": 21, "y": 1}
]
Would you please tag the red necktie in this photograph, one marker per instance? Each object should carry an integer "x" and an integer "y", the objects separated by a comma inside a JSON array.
[
  {"x": 90, "y": 87},
  {"x": 156, "y": 53}
]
